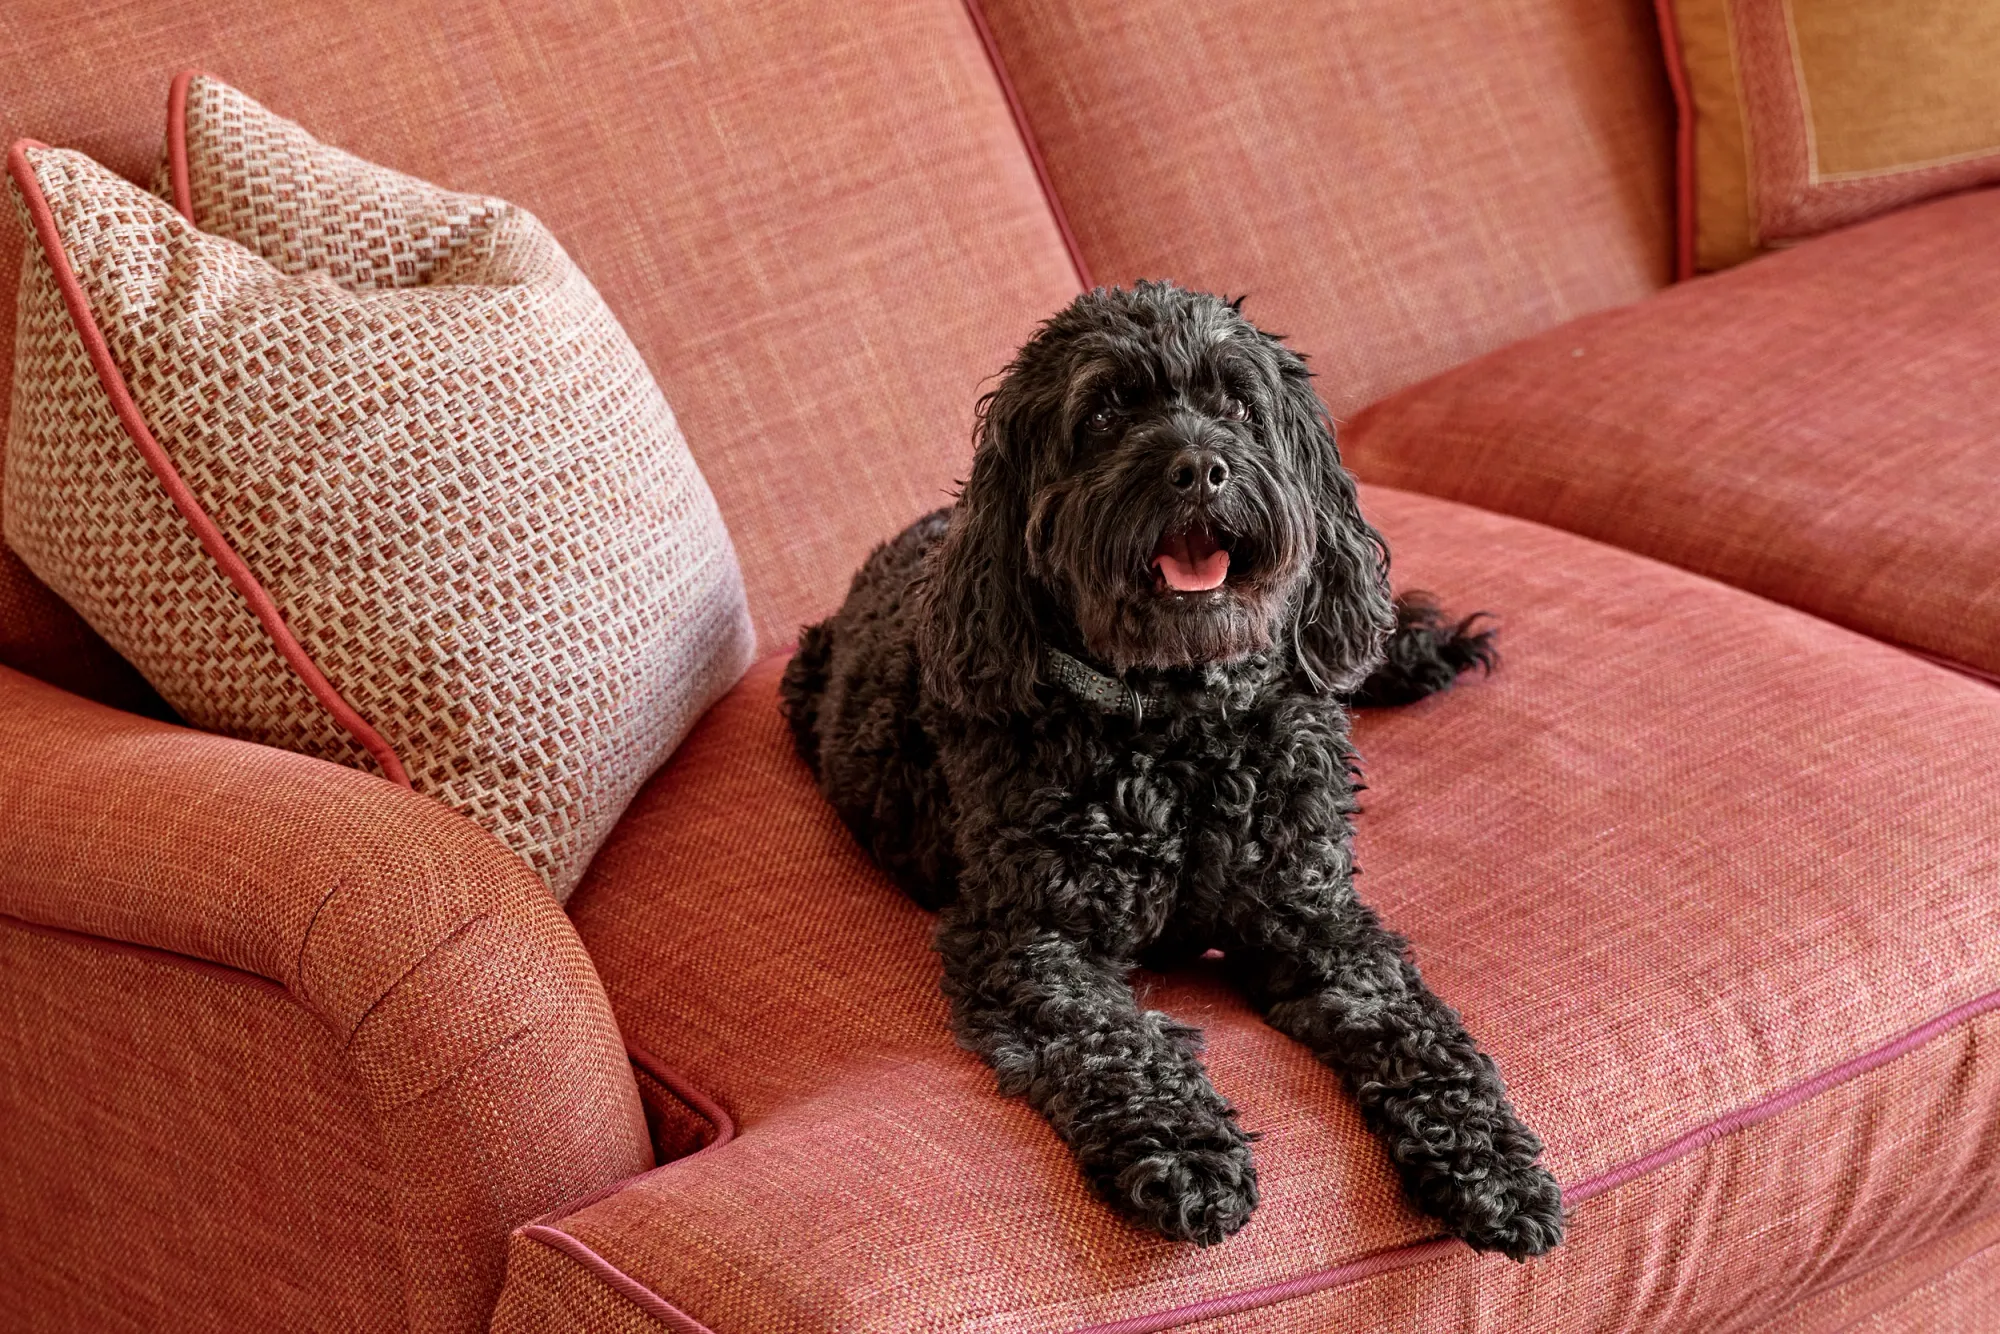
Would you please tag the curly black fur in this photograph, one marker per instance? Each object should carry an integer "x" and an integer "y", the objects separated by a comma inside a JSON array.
[
  {"x": 1425, "y": 654},
  {"x": 1065, "y": 843}
]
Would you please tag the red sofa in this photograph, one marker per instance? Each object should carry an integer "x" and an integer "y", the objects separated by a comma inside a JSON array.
[{"x": 1712, "y": 864}]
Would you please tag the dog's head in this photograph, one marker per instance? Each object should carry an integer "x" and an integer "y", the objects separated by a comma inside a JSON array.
[{"x": 1156, "y": 482}]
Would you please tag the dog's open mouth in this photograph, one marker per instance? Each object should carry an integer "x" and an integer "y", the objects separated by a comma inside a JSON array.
[{"x": 1191, "y": 559}]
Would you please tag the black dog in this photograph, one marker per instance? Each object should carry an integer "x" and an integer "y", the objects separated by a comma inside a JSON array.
[{"x": 1094, "y": 712}]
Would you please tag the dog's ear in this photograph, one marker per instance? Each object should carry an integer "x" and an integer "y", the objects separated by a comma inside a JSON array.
[
  {"x": 1344, "y": 610},
  {"x": 977, "y": 642}
]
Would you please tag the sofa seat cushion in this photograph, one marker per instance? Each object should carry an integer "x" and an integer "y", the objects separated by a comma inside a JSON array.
[
  {"x": 1717, "y": 883},
  {"x": 1821, "y": 427}
]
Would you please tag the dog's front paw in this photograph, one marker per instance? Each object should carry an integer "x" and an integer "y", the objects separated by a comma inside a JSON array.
[
  {"x": 1508, "y": 1206},
  {"x": 1200, "y": 1195},
  {"x": 1181, "y": 1167}
]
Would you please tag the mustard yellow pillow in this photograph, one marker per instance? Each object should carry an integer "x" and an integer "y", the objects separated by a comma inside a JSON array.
[{"x": 1799, "y": 116}]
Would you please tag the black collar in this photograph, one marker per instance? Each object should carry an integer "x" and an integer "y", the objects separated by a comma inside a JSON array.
[{"x": 1094, "y": 687}]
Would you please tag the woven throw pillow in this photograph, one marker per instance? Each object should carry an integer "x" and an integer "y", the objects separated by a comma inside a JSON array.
[
  {"x": 1798, "y": 116},
  {"x": 359, "y": 467}
]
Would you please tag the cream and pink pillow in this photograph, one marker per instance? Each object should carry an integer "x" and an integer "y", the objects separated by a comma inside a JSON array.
[
  {"x": 360, "y": 467},
  {"x": 1799, "y": 116}
]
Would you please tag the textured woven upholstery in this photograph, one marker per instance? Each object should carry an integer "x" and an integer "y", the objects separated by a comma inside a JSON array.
[
  {"x": 1396, "y": 191},
  {"x": 819, "y": 252},
  {"x": 1821, "y": 427},
  {"x": 420, "y": 988},
  {"x": 1727, "y": 828},
  {"x": 1966, "y": 1297},
  {"x": 403, "y": 426},
  {"x": 145, "y": 1101},
  {"x": 1952, "y": 1283},
  {"x": 1609, "y": 856}
]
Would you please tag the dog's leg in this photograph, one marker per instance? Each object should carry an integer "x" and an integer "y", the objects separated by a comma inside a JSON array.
[
  {"x": 1122, "y": 1086},
  {"x": 1325, "y": 972}
]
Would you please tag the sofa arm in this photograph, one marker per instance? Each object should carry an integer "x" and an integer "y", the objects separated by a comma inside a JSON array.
[{"x": 468, "y": 1014}]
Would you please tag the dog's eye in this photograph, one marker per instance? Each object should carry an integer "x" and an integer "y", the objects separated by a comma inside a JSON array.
[
  {"x": 1099, "y": 420},
  {"x": 1236, "y": 409}
]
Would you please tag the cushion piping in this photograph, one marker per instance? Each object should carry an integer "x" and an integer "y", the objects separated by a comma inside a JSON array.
[
  {"x": 1677, "y": 81},
  {"x": 220, "y": 972},
  {"x": 1395, "y": 1258},
  {"x": 618, "y": 1280},
  {"x": 184, "y": 500},
  {"x": 690, "y": 1096},
  {"x": 696, "y": 1101},
  {"x": 177, "y": 152}
]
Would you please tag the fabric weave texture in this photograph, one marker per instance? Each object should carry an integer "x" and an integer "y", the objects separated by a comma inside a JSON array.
[
  {"x": 1807, "y": 117},
  {"x": 421, "y": 428},
  {"x": 1821, "y": 427},
  {"x": 1611, "y": 859},
  {"x": 1392, "y": 205},
  {"x": 292, "y": 1023}
]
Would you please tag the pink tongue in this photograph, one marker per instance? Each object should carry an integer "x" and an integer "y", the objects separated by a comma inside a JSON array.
[{"x": 1191, "y": 567}]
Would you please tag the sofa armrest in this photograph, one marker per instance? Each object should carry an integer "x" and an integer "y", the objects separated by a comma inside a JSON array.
[{"x": 470, "y": 1017}]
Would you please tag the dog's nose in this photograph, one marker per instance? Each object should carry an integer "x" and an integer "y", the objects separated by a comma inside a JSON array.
[{"x": 1201, "y": 473}]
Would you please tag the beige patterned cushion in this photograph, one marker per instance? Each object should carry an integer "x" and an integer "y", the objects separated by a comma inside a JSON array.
[{"x": 473, "y": 546}]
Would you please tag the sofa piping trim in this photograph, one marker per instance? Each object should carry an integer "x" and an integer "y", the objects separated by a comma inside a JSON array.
[
  {"x": 1395, "y": 1258},
  {"x": 1677, "y": 80},
  {"x": 211, "y": 537},
  {"x": 1027, "y": 133},
  {"x": 693, "y": 1098},
  {"x": 219, "y": 972},
  {"x": 177, "y": 151},
  {"x": 1728, "y": 1124},
  {"x": 618, "y": 1280}
]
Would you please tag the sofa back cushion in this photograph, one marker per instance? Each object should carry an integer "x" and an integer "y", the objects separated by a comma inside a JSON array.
[
  {"x": 817, "y": 223},
  {"x": 1397, "y": 187}
]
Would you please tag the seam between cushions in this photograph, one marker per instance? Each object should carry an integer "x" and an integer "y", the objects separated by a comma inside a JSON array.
[
  {"x": 693, "y": 1098},
  {"x": 1952, "y": 665},
  {"x": 1395, "y": 1258},
  {"x": 1028, "y": 141},
  {"x": 1677, "y": 81},
  {"x": 184, "y": 500}
]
